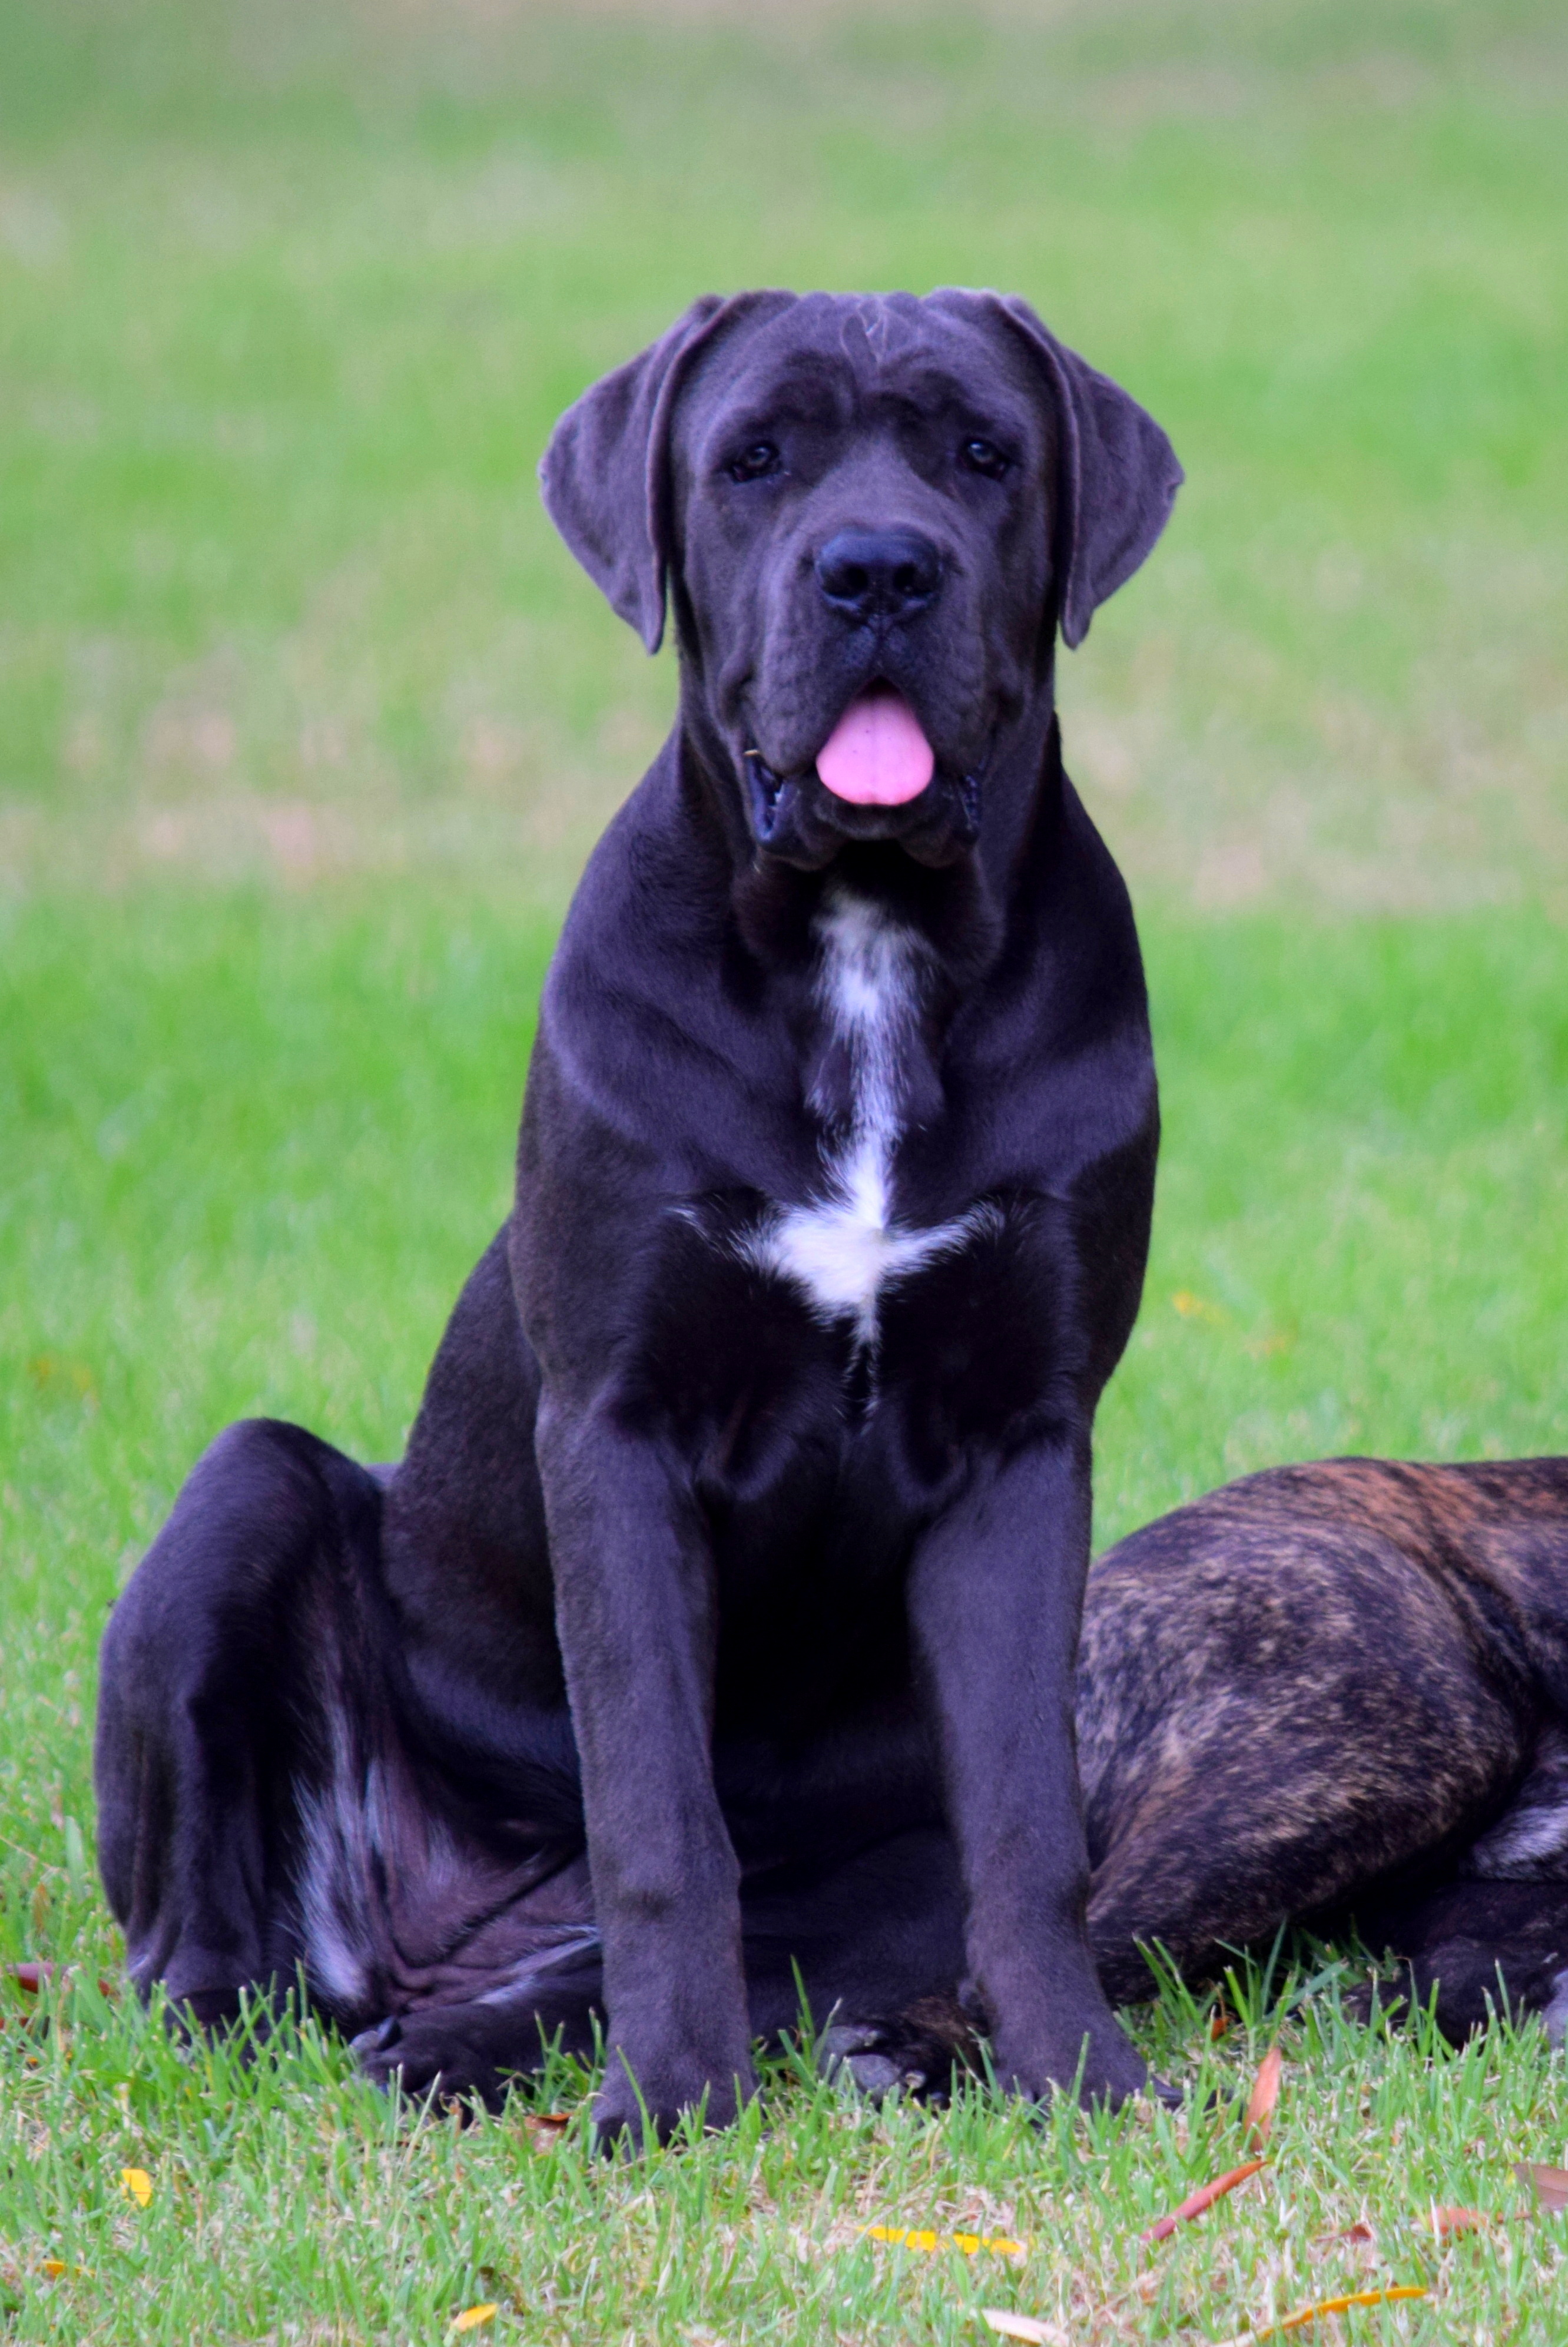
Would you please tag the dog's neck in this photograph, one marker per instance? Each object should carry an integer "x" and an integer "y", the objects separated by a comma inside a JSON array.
[{"x": 872, "y": 980}]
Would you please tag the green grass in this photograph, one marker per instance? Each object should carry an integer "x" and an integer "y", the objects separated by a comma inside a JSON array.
[
  {"x": 305, "y": 722},
  {"x": 289, "y": 2202},
  {"x": 259, "y": 1141}
]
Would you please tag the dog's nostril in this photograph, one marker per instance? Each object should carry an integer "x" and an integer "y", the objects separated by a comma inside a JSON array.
[{"x": 878, "y": 574}]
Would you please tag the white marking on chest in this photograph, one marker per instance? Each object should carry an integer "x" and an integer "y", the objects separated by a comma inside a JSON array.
[{"x": 843, "y": 1246}]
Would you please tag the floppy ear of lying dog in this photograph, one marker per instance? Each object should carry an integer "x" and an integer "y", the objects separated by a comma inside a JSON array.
[{"x": 717, "y": 1633}]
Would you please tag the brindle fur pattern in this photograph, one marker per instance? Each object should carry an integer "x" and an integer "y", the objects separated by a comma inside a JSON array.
[{"x": 1335, "y": 1694}]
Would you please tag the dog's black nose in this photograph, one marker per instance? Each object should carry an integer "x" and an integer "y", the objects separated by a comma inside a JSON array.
[{"x": 878, "y": 574}]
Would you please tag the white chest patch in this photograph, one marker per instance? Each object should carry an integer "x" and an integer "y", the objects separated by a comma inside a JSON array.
[{"x": 843, "y": 1246}]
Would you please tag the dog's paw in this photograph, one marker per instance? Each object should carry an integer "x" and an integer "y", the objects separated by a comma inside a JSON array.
[
  {"x": 916, "y": 2052},
  {"x": 1101, "y": 2063},
  {"x": 860, "y": 2056},
  {"x": 436, "y": 2053},
  {"x": 628, "y": 2115}
]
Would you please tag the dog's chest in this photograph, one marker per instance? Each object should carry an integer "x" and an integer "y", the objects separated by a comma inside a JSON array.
[{"x": 845, "y": 1245}]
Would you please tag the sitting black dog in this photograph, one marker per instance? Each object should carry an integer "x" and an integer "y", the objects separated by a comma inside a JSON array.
[{"x": 721, "y": 1617}]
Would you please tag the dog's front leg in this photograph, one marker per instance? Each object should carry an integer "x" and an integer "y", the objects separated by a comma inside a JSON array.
[
  {"x": 995, "y": 1594},
  {"x": 635, "y": 1613}
]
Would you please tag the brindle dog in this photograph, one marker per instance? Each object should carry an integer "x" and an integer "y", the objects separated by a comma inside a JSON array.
[{"x": 1334, "y": 1694}]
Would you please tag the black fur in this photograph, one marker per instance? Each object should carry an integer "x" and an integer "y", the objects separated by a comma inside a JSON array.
[{"x": 755, "y": 1609}]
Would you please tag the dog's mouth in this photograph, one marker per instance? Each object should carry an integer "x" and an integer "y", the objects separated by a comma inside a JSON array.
[
  {"x": 876, "y": 776},
  {"x": 877, "y": 754}
]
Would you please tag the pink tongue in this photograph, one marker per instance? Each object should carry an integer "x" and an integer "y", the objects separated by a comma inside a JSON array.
[{"x": 876, "y": 754}]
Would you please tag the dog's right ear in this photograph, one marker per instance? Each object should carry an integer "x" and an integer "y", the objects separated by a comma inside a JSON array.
[{"x": 605, "y": 475}]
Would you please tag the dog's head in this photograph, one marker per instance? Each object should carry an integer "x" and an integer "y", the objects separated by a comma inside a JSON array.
[{"x": 872, "y": 514}]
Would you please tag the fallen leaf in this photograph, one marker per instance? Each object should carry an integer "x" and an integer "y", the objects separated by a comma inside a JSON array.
[
  {"x": 33, "y": 1978},
  {"x": 1550, "y": 2185},
  {"x": 1360, "y": 2233},
  {"x": 1024, "y": 2326},
  {"x": 54, "y": 2268},
  {"x": 1302, "y": 2315},
  {"x": 1444, "y": 2222},
  {"x": 998, "y": 2244},
  {"x": 1219, "y": 2021},
  {"x": 1264, "y": 2097},
  {"x": 473, "y": 2316},
  {"x": 136, "y": 2185},
  {"x": 544, "y": 2129},
  {"x": 1203, "y": 2197}
]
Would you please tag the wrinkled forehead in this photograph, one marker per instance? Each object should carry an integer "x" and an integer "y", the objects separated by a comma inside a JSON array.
[{"x": 839, "y": 357}]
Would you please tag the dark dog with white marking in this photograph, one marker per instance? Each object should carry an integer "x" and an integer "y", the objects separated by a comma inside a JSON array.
[
  {"x": 737, "y": 1559},
  {"x": 721, "y": 1616}
]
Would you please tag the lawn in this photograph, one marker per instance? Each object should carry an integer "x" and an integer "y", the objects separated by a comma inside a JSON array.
[{"x": 305, "y": 723}]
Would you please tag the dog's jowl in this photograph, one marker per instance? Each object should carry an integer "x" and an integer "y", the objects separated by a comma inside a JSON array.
[{"x": 721, "y": 1618}]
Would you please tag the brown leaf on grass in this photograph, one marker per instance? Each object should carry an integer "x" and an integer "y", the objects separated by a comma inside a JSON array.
[
  {"x": 33, "y": 1978},
  {"x": 544, "y": 2129},
  {"x": 1446, "y": 2223},
  {"x": 1203, "y": 2197},
  {"x": 1358, "y": 2236},
  {"x": 1264, "y": 2097},
  {"x": 1550, "y": 2185},
  {"x": 1219, "y": 2021},
  {"x": 1024, "y": 2326}
]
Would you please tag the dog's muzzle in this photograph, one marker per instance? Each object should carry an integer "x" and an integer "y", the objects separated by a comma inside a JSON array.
[{"x": 799, "y": 819}]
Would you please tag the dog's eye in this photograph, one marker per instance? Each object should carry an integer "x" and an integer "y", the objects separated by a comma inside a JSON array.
[
  {"x": 985, "y": 457},
  {"x": 753, "y": 463}
]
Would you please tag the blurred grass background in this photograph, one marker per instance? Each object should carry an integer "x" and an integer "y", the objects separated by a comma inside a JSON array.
[
  {"x": 306, "y": 722},
  {"x": 289, "y": 296}
]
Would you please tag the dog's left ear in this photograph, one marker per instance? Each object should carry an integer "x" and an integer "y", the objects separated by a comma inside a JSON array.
[
  {"x": 1119, "y": 474},
  {"x": 605, "y": 475}
]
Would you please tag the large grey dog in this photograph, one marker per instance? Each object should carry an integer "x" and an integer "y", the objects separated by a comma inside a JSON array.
[{"x": 721, "y": 1617}]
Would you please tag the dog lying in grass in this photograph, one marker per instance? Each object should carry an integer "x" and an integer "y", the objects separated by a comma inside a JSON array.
[
  {"x": 1337, "y": 1695},
  {"x": 1333, "y": 1695}
]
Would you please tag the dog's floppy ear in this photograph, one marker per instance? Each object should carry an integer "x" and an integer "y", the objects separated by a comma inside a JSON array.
[
  {"x": 605, "y": 475},
  {"x": 1119, "y": 474}
]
